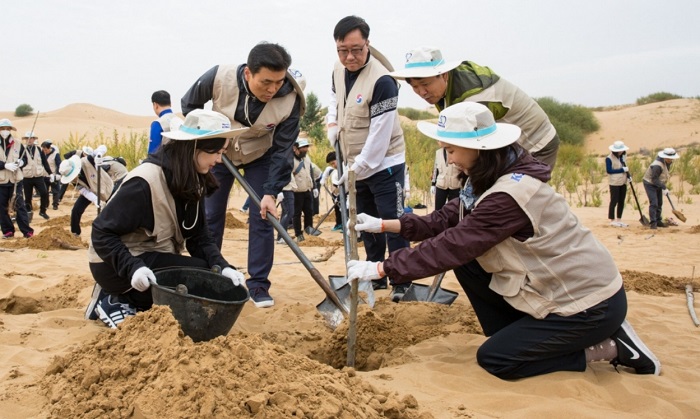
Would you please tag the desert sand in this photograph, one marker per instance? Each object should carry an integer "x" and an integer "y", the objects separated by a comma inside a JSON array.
[{"x": 414, "y": 360}]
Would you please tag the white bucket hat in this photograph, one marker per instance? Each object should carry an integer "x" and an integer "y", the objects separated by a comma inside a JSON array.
[
  {"x": 201, "y": 124},
  {"x": 70, "y": 169},
  {"x": 470, "y": 125},
  {"x": 6, "y": 123},
  {"x": 618, "y": 147},
  {"x": 30, "y": 134},
  {"x": 669, "y": 153},
  {"x": 302, "y": 142},
  {"x": 424, "y": 62}
]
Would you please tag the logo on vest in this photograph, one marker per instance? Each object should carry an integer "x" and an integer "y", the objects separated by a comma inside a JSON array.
[
  {"x": 270, "y": 127},
  {"x": 358, "y": 99},
  {"x": 516, "y": 177}
]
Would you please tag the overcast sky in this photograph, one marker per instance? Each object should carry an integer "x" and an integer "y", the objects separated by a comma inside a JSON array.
[{"x": 114, "y": 54}]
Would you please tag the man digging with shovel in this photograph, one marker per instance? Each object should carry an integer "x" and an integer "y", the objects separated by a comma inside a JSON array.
[{"x": 655, "y": 179}]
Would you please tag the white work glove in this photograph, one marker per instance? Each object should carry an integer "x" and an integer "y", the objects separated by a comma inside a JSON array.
[
  {"x": 20, "y": 163},
  {"x": 343, "y": 180},
  {"x": 368, "y": 223},
  {"x": 629, "y": 179},
  {"x": 100, "y": 151},
  {"x": 333, "y": 135},
  {"x": 363, "y": 271},
  {"x": 280, "y": 197},
  {"x": 625, "y": 169},
  {"x": 315, "y": 192},
  {"x": 665, "y": 192},
  {"x": 236, "y": 277},
  {"x": 12, "y": 167},
  {"x": 141, "y": 279},
  {"x": 52, "y": 178},
  {"x": 57, "y": 177},
  {"x": 432, "y": 190},
  {"x": 98, "y": 161},
  {"x": 89, "y": 195}
]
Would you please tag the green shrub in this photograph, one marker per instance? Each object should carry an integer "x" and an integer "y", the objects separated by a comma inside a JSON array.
[
  {"x": 24, "y": 110},
  {"x": 657, "y": 97},
  {"x": 416, "y": 114},
  {"x": 572, "y": 122}
]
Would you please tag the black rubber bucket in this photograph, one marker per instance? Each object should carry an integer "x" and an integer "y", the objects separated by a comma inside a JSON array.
[{"x": 208, "y": 306}]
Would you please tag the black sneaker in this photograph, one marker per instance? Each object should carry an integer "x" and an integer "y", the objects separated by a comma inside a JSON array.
[
  {"x": 44, "y": 215},
  {"x": 55, "y": 206},
  {"x": 97, "y": 295},
  {"x": 261, "y": 297},
  {"x": 300, "y": 238},
  {"x": 633, "y": 353},
  {"x": 398, "y": 291},
  {"x": 661, "y": 224},
  {"x": 112, "y": 311},
  {"x": 312, "y": 231},
  {"x": 379, "y": 284}
]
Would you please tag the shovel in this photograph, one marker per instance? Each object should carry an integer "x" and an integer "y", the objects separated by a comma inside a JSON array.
[
  {"x": 431, "y": 294},
  {"x": 643, "y": 218},
  {"x": 333, "y": 309},
  {"x": 677, "y": 213}
]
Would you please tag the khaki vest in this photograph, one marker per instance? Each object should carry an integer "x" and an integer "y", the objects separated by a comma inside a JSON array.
[
  {"x": 303, "y": 179},
  {"x": 5, "y": 175},
  {"x": 354, "y": 113},
  {"x": 116, "y": 170},
  {"x": 166, "y": 236},
  {"x": 33, "y": 168},
  {"x": 532, "y": 276},
  {"x": 616, "y": 179},
  {"x": 523, "y": 111},
  {"x": 253, "y": 143},
  {"x": 447, "y": 175},
  {"x": 51, "y": 158},
  {"x": 663, "y": 177},
  {"x": 106, "y": 183}
]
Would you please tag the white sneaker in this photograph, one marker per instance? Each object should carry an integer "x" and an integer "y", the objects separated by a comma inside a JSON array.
[
  {"x": 621, "y": 224},
  {"x": 615, "y": 224}
]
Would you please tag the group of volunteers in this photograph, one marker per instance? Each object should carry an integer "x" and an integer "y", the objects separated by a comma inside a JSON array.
[{"x": 521, "y": 256}]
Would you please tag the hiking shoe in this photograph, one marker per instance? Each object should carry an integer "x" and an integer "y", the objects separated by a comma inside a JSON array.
[
  {"x": 337, "y": 228},
  {"x": 8, "y": 235},
  {"x": 261, "y": 298},
  {"x": 97, "y": 295},
  {"x": 55, "y": 206},
  {"x": 661, "y": 224},
  {"x": 633, "y": 353},
  {"x": 300, "y": 238},
  {"x": 44, "y": 215},
  {"x": 312, "y": 231},
  {"x": 29, "y": 235},
  {"x": 397, "y": 292},
  {"x": 379, "y": 284},
  {"x": 280, "y": 240},
  {"x": 112, "y": 311}
]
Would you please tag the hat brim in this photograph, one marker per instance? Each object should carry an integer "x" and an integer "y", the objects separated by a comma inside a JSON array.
[
  {"x": 184, "y": 136},
  {"x": 423, "y": 72},
  {"x": 75, "y": 170},
  {"x": 616, "y": 150},
  {"x": 504, "y": 135},
  {"x": 666, "y": 156}
]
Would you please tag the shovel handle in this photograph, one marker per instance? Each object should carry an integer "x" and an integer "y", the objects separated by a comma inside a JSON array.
[
  {"x": 435, "y": 285},
  {"x": 315, "y": 274}
]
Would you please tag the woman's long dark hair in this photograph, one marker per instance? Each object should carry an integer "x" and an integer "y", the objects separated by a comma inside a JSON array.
[
  {"x": 492, "y": 164},
  {"x": 178, "y": 159}
]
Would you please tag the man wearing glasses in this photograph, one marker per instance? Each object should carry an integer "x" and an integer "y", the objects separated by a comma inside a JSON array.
[{"x": 363, "y": 117}]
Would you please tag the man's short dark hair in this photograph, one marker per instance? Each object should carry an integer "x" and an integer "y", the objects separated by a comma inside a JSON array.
[
  {"x": 330, "y": 157},
  {"x": 46, "y": 144},
  {"x": 161, "y": 97},
  {"x": 271, "y": 56},
  {"x": 349, "y": 24}
]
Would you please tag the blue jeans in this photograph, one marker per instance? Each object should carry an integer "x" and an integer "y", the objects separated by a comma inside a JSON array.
[
  {"x": 261, "y": 235},
  {"x": 381, "y": 195},
  {"x": 520, "y": 345}
]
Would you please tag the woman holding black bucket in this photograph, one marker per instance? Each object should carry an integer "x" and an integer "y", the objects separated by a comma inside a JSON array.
[
  {"x": 546, "y": 292},
  {"x": 157, "y": 212}
]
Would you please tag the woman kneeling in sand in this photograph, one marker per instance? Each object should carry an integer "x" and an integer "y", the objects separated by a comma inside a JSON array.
[
  {"x": 546, "y": 292},
  {"x": 155, "y": 214}
]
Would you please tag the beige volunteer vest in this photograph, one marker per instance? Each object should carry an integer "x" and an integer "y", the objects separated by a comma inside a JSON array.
[
  {"x": 447, "y": 174},
  {"x": 106, "y": 183},
  {"x": 616, "y": 179},
  {"x": 302, "y": 178},
  {"x": 166, "y": 236},
  {"x": 562, "y": 269},
  {"x": 354, "y": 112},
  {"x": 663, "y": 177},
  {"x": 5, "y": 175},
  {"x": 33, "y": 168},
  {"x": 253, "y": 143},
  {"x": 536, "y": 131},
  {"x": 51, "y": 158}
]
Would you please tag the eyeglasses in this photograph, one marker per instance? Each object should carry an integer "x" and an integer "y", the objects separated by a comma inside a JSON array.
[{"x": 355, "y": 52}]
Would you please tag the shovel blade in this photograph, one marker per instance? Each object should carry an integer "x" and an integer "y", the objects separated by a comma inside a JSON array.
[
  {"x": 420, "y": 292},
  {"x": 679, "y": 215},
  {"x": 645, "y": 221},
  {"x": 329, "y": 311}
]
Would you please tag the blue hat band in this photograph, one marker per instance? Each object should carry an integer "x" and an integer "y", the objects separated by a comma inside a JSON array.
[
  {"x": 195, "y": 131},
  {"x": 467, "y": 134},
  {"x": 425, "y": 64}
]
